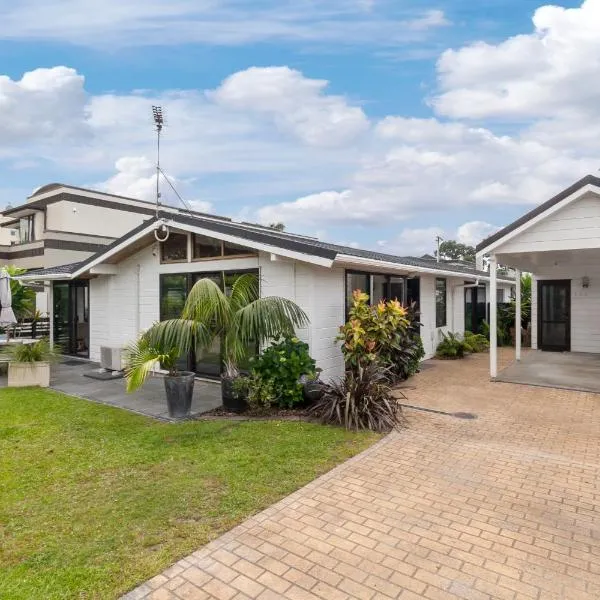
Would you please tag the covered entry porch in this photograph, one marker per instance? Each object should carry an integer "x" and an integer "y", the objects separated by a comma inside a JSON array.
[
  {"x": 565, "y": 318},
  {"x": 563, "y": 370}
]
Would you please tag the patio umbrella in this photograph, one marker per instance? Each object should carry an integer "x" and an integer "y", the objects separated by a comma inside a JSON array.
[{"x": 7, "y": 316}]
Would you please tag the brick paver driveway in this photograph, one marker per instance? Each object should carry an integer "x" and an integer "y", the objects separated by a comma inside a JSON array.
[{"x": 503, "y": 506}]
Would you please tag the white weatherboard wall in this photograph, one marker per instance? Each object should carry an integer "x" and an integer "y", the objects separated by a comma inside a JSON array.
[
  {"x": 114, "y": 300},
  {"x": 576, "y": 226},
  {"x": 585, "y": 304}
]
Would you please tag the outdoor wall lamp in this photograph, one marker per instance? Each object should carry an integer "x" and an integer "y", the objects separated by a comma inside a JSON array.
[{"x": 585, "y": 282}]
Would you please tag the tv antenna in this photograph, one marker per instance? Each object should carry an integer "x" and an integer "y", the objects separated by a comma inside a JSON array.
[{"x": 157, "y": 114}]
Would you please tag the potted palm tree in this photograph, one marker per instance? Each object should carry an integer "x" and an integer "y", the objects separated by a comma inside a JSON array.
[
  {"x": 157, "y": 346},
  {"x": 238, "y": 319}
]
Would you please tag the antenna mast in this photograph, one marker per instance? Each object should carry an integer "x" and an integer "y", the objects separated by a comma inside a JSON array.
[{"x": 157, "y": 114}]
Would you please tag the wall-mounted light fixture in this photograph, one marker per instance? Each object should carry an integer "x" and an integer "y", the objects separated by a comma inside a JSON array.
[{"x": 585, "y": 282}]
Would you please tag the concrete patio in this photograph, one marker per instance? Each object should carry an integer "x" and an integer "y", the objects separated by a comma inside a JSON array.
[
  {"x": 563, "y": 370},
  {"x": 68, "y": 377}
]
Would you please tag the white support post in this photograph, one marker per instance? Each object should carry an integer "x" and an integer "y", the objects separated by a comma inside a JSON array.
[
  {"x": 493, "y": 318},
  {"x": 518, "y": 316},
  {"x": 50, "y": 296}
]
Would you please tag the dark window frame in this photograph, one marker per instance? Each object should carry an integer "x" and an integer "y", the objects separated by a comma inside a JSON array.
[
  {"x": 370, "y": 275},
  {"x": 30, "y": 219},
  {"x": 249, "y": 252},
  {"x": 441, "y": 307},
  {"x": 189, "y": 277}
]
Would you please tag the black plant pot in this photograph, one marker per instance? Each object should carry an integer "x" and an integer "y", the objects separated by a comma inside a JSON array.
[
  {"x": 180, "y": 390},
  {"x": 232, "y": 401},
  {"x": 313, "y": 390}
]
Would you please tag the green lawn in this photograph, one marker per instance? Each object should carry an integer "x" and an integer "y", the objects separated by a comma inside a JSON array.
[{"x": 94, "y": 500}]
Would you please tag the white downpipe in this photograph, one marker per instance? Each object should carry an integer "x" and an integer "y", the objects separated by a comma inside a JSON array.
[
  {"x": 518, "y": 316},
  {"x": 493, "y": 317}
]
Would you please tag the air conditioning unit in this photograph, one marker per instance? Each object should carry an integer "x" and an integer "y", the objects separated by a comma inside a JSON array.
[{"x": 111, "y": 358}]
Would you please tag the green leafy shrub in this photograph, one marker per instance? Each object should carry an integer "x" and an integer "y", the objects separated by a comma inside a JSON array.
[
  {"x": 408, "y": 351},
  {"x": 387, "y": 334},
  {"x": 283, "y": 363},
  {"x": 258, "y": 392},
  {"x": 361, "y": 400},
  {"x": 451, "y": 347},
  {"x": 476, "y": 341}
]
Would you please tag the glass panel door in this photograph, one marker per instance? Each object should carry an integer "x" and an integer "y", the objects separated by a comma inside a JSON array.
[
  {"x": 554, "y": 305},
  {"x": 72, "y": 317},
  {"x": 80, "y": 332},
  {"x": 208, "y": 362},
  {"x": 62, "y": 336}
]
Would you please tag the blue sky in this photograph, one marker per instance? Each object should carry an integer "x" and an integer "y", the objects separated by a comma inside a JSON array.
[{"x": 372, "y": 122}]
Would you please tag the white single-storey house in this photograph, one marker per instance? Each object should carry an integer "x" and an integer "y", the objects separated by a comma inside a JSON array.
[
  {"x": 109, "y": 298},
  {"x": 558, "y": 242}
]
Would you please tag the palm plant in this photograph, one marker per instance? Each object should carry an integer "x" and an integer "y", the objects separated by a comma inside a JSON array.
[{"x": 238, "y": 320}]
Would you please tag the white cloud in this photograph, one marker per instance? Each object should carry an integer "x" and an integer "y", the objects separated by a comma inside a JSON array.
[
  {"x": 474, "y": 232},
  {"x": 223, "y": 22},
  {"x": 135, "y": 177},
  {"x": 422, "y": 240},
  {"x": 297, "y": 104},
  {"x": 550, "y": 72},
  {"x": 44, "y": 106}
]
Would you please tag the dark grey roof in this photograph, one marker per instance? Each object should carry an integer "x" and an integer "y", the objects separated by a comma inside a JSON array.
[
  {"x": 278, "y": 239},
  {"x": 588, "y": 179},
  {"x": 59, "y": 270}
]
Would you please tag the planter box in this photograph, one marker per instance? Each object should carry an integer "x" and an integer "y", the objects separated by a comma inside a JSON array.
[{"x": 29, "y": 374}]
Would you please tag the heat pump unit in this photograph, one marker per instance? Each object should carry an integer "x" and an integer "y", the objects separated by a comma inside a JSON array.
[{"x": 110, "y": 358}]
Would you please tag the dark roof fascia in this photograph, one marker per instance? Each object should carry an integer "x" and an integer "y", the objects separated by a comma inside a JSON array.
[{"x": 538, "y": 210}]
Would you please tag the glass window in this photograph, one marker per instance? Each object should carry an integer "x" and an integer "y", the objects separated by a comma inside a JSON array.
[
  {"x": 26, "y": 229},
  {"x": 173, "y": 293},
  {"x": 413, "y": 291},
  {"x": 440, "y": 302},
  {"x": 499, "y": 296},
  {"x": 175, "y": 248},
  {"x": 397, "y": 289},
  {"x": 380, "y": 288},
  {"x": 205, "y": 247},
  {"x": 356, "y": 281},
  {"x": 235, "y": 250}
]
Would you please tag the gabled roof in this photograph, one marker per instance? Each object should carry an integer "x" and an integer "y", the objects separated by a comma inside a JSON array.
[
  {"x": 539, "y": 210},
  {"x": 299, "y": 247}
]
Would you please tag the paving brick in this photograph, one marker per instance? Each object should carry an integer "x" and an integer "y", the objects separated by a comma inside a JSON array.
[{"x": 501, "y": 507}]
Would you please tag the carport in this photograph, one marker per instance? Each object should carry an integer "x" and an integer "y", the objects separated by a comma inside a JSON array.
[{"x": 558, "y": 242}]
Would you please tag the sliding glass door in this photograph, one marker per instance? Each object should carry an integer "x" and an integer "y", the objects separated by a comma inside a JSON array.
[{"x": 174, "y": 290}]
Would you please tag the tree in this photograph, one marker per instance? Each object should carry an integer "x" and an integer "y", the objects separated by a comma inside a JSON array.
[
  {"x": 238, "y": 320},
  {"x": 453, "y": 250},
  {"x": 277, "y": 226},
  {"x": 23, "y": 298}
]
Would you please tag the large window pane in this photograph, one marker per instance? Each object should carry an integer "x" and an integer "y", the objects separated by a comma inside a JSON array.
[
  {"x": 413, "y": 291},
  {"x": 440, "y": 302},
  {"x": 205, "y": 247},
  {"x": 356, "y": 281},
  {"x": 235, "y": 250},
  {"x": 397, "y": 289},
  {"x": 175, "y": 248},
  {"x": 173, "y": 294},
  {"x": 380, "y": 288},
  {"x": 26, "y": 231}
]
